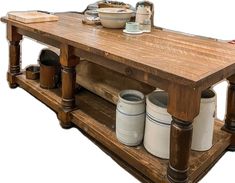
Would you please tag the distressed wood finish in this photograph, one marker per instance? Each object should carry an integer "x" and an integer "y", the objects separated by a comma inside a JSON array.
[
  {"x": 184, "y": 105},
  {"x": 182, "y": 65},
  {"x": 230, "y": 116},
  {"x": 102, "y": 128},
  {"x": 68, "y": 76},
  {"x": 68, "y": 62},
  {"x": 105, "y": 82},
  {"x": 180, "y": 145},
  {"x": 183, "y": 59},
  {"x": 31, "y": 16},
  {"x": 96, "y": 118},
  {"x": 14, "y": 39},
  {"x": 184, "y": 102}
]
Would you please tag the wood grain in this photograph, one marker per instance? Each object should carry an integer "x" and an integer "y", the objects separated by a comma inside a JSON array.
[
  {"x": 182, "y": 65},
  {"x": 103, "y": 130},
  {"x": 51, "y": 97},
  {"x": 31, "y": 16},
  {"x": 181, "y": 58},
  {"x": 105, "y": 82},
  {"x": 229, "y": 124},
  {"x": 184, "y": 102},
  {"x": 180, "y": 146},
  {"x": 96, "y": 117},
  {"x": 68, "y": 62},
  {"x": 14, "y": 69}
]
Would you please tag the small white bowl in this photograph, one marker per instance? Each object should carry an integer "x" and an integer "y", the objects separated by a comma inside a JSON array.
[{"x": 114, "y": 17}]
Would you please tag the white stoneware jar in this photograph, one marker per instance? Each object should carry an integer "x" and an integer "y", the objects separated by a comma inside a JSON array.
[
  {"x": 203, "y": 124},
  {"x": 158, "y": 123},
  {"x": 130, "y": 117},
  {"x": 142, "y": 14}
]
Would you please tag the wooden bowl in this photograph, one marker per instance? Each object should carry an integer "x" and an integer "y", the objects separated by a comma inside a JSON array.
[{"x": 33, "y": 72}]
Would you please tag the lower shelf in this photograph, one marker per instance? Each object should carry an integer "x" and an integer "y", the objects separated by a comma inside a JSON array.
[{"x": 96, "y": 118}]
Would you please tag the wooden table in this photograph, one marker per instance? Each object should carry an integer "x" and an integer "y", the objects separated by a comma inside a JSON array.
[{"x": 182, "y": 65}]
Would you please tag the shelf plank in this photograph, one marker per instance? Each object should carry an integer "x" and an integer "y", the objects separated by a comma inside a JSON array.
[
  {"x": 96, "y": 118},
  {"x": 93, "y": 107},
  {"x": 136, "y": 157},
  {"x": 107, "y": 83},
  {"x": 51, "y": 97},
  {"x": 201, "y": 162}
]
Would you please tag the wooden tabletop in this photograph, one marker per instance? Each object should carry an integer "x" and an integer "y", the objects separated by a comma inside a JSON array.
[{"x": 165, "y": 54}]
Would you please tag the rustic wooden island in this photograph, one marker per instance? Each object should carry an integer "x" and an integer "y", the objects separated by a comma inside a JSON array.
[{"x": 180, "y": 64}]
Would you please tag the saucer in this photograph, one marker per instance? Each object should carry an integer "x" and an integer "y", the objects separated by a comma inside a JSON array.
[{"x": 136, "y": 32}]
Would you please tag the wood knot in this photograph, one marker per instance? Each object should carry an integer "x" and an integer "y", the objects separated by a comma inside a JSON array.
[{"x": 128, "y": 71}]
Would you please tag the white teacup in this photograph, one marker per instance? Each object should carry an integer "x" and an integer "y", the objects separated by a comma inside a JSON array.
[{"x": 132, "y": 27}]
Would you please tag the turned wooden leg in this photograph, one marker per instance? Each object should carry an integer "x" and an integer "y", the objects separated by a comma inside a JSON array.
[
  {"x": 14, "y": 55},
  {"x": 184, "y": 104},
  {"x": 68, "y": 87},
  {"x": 181, "y": 138},
  {"x": 229, "y": 125},
  {"x": 68, "y": 62}
]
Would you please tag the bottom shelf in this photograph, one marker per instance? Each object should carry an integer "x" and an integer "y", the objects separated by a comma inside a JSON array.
[{"x": 96, "y": 118}]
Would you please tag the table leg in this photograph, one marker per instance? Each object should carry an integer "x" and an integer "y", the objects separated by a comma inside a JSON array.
[
  {"x": 68, "y": 62},
  {"x": 184, "y": 104},
  {"x": 14, "y": 55},
  {"x": 68, "y": 87},
  {"x": 229, "y": 125}
]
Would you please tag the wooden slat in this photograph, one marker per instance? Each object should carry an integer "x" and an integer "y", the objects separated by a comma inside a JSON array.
[
  {"x": 140, "y": 176},
  {"x": 131, "y": 72},
  {"x": 105, "y": 82},
  {"x": 49, "y": 97}
]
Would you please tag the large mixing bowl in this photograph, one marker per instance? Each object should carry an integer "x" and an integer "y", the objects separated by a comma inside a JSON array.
[{"x": 114, "y": 17}]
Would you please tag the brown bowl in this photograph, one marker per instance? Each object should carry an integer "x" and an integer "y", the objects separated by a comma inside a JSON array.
[{"x": 33, "y": 72}]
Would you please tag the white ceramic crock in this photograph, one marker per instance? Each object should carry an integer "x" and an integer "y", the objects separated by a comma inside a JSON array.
[
  {"x": 203, "y": 124},
  {"x": 130, "y": 117},
  {"x": 157, "y": 127}
]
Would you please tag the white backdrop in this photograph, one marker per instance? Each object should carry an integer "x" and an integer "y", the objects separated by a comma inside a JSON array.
[{"x": 33, "y": 147}]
